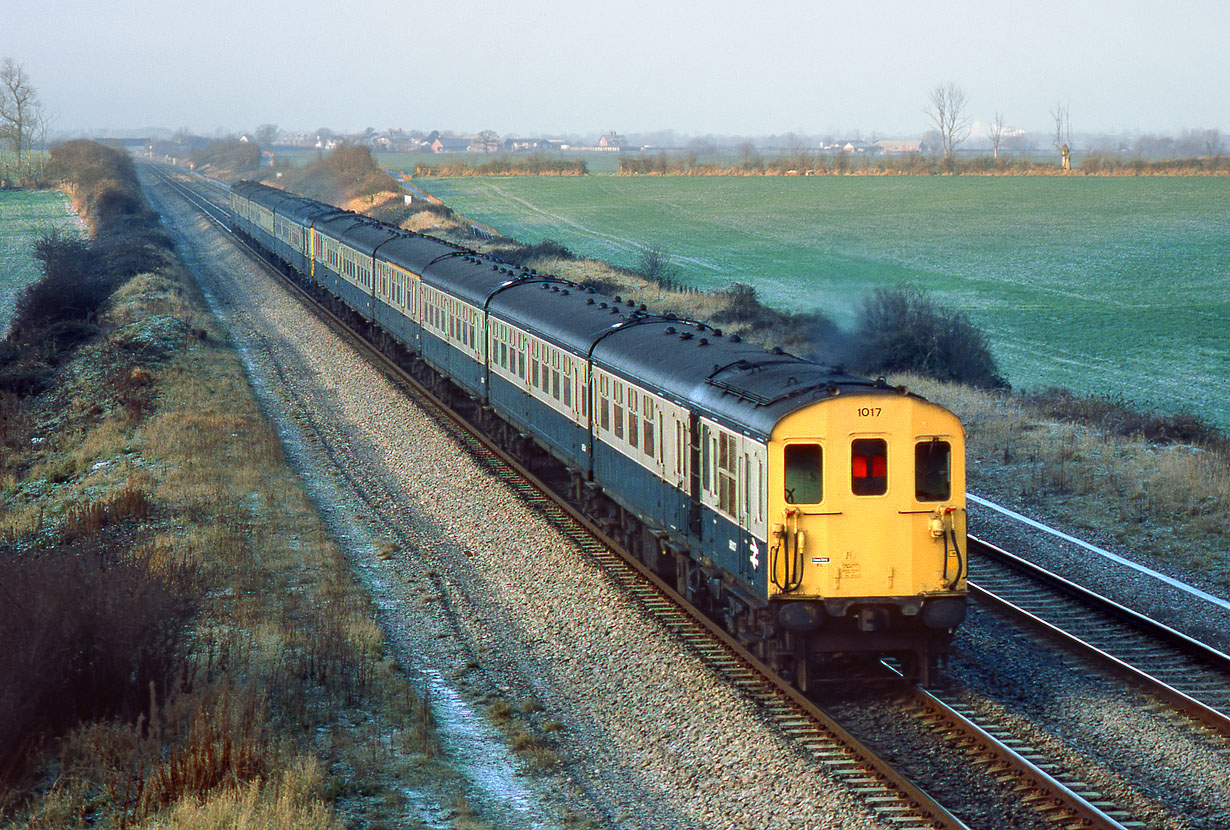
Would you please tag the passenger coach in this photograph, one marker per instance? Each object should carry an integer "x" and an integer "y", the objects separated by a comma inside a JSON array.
[{"x": 814, "y": 512}]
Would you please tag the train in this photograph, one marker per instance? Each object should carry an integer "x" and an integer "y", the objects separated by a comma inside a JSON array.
[{"x": 816, "y": 514}]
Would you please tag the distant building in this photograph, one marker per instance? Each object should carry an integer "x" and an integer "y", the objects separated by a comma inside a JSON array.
[
  {"x": 893, "y": 146},
  {"x": 450, "y": 145},
  {"x": 531, "y": 145},
  {"x": 612, "y": 142},
  {"x": 485, "y": 144}
]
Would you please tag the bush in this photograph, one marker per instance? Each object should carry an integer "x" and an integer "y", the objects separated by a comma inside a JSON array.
[
  {"x": 1119, "y": 417},
  {"x": 79, "y": 275},
  {"x": 74, "y": 286},
  {"x": 229, "y": 154},
  {"x": 655, "y": 266},
  {"x": 903, "y": 329},
  {"x": 547, "y": 249},
  {"x": 742, "y": 304},
  {"x": 87, "y": 634}
]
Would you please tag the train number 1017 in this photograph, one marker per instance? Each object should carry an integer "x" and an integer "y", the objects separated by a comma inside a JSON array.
[{"x": 868, "y": 411}]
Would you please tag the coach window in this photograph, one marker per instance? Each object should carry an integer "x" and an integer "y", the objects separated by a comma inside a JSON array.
[
  {"x": 869, "y": 467},
  {"x": 932, "y": 470},
  {"x": 706, "y": 476},
  {"x": 727, "y": 474},
  {"x": 619, "y": 410},
  {"x": 803, "y": 473},
  {"x": 633, "y": 431},
  {"x": 604, "y": 404},
  {"x": 648, "y": 432}
]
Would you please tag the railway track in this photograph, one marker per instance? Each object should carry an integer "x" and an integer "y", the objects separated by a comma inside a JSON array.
[
  {"x": 1186, "y": 674},
  {"x": 1009, "y": 772}
]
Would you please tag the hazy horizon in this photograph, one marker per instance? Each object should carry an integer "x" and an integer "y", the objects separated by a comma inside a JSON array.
[{"x": 635, "y": 67}]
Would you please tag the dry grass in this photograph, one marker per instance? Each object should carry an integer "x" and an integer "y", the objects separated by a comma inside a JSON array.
[{"x": 287, "y": 643}]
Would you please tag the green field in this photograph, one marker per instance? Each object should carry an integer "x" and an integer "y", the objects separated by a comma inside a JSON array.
[
  {"x": 1118, "y": 285},
  {"x": 24, "y": 217}
]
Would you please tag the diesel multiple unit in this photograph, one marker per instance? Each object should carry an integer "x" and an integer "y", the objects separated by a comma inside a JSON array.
[{"x": 813, "y": 512}]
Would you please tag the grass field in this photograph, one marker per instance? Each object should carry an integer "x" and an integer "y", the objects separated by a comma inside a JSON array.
[
  {"x": 1117, "y": 285},
  {"x": 24, "y": 217}
]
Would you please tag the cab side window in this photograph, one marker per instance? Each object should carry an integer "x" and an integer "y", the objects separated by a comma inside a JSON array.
[
  {"x": 803, "y": 470},
  {"x": 869, "y": 466},
  {"x": 932, "y": 470}
]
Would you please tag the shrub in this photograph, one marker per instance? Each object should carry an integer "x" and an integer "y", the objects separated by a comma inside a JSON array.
[
  {"x": 547, "y": 249},
  {"x": 73, "y": 288},
  {"x": 87, "y": 632},
  {"x": 1119, "y": 417},
  {"x": 903, "y": 329},
  {"x": 229, "y": 154},
  {"x": 742, "y": 304},
  {"x": 655, "y": 266}
]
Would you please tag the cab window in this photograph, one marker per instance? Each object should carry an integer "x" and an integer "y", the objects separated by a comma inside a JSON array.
[
  {"x": 803, "y": 474},
  {"x": 869, "y": 466},
  {"x": 932, "y": 470}
]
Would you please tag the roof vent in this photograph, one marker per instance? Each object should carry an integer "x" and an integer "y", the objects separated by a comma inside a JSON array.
[
  {"x": 777, "y": 350},
  {"x": 670, "y": 329},
  {"x": 717, "y": 332},
  {"x": 631, "y": 303},
  {"x": 704, "y": 341},
  {"x": 601, "y": 305},
  {"x": 564, "y": 291},
  {"x": 687, "y": 335},
  {"x": 734, "y": 338},
  {"x": 701, "y": 326},
  {"x": 589, "y": 300},
  {"x": 618, "y": 299}
]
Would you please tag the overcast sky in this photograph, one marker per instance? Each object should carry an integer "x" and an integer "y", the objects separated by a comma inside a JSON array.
[{"x": 588, "y": 66}]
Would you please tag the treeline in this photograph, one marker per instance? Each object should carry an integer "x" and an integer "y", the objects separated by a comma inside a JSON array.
[
  {"x": 912, "y": 164},
  {"x": 225, "y": 157},
  {"x": 92, "y": 626},
  {"x": 536, "y": 164},
  {"x": 54, "y": 315},
  {"x": 343, "y": 175}
]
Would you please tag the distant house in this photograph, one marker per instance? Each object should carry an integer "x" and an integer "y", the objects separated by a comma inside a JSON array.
[
  {"x": 609, "y": 143},
  {"x": 531, "y": 145},
  {"x": 485, "y": 144},
  {"x": 450, "y": 145},
  {"x": 892, "y": 146},
  {"x": 854, "y": 147}
]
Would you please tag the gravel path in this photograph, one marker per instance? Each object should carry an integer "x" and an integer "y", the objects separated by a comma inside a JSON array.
[{"x": 491, "y": 604}]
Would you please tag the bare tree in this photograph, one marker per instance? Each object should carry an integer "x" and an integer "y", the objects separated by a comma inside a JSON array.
[
  {"x": 266, "y": 134},
  {"x": 1063, "y": 134},
  {"x": 995, "y": 132},
  {"x": 1212, "y": 142},
  {"x": 946, "y": 108},
  {"x": 20, "y": 109}
]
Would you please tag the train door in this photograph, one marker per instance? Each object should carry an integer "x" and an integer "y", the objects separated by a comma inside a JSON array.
[{"x": 694, "y": 440}]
